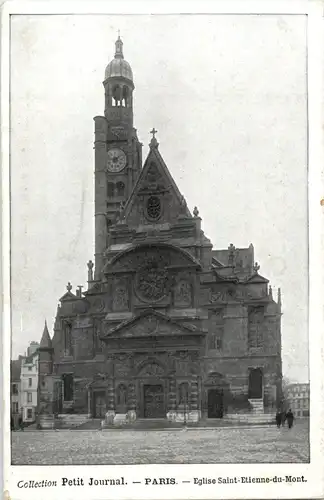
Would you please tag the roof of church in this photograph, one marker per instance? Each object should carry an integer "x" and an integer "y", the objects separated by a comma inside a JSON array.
[
  {"x": 155, "y": 157},
  {"x": 245, "y": 255},
  {"x": 46, "y": 339},
  {"x": 118, "y": 66}
]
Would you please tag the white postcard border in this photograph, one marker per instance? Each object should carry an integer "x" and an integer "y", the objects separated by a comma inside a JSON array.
[{"x": 314, "y": 487}]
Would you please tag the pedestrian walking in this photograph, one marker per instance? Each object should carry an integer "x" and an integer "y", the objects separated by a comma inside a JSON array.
[
  {"x": 283, "y": 418},
  {"x": 278, "y": 418},
  {"x": 290, "y": 418}
]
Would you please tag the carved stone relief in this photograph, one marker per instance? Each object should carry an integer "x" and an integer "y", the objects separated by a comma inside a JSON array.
[
  {"x": 150, "y": 325},
  {"x": 122, "y": 369},
  {"x": 120, "y": 297},
  {"x": 183, "y": 294},
  {"x": 152, "y": 279},
  {"x": 152, "y": 370}
]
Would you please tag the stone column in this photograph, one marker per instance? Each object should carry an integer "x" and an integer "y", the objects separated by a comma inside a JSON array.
[
  {"x": 194, "y": 394},
  {"x": 194, "y": 414},
  {"x": 89, "y": 403},
  {"x": 131, "y": 403},
  {"x": 109, "y": 417},
  {"x": 172, "y": 400}
]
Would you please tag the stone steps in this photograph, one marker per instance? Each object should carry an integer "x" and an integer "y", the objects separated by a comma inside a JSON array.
[
  {"x": 71, "y": 420},
  {"x": 251, "y": 418},
  {"x": 257, "y": 406},
  {"x": 91, "y": 424}
]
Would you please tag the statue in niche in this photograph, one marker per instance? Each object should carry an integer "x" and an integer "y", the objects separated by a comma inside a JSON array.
[
  {"x": 183, "y": 293},
  {"x": 183, "y": 393},
  {"x": 120, "y": 298},
  {"x": 122, "y": 395}
]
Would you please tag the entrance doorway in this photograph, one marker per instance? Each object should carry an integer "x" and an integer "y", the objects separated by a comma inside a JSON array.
[
  {"x": 99, "y": 404},
  {"x": 215, "y": 403},
  {"x": 154, "y": 401},
  {"x": 255, "y": 383}
]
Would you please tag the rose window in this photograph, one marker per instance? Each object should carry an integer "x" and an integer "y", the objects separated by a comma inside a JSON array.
[
  {"x": 151, "y": 281},
  {"x": 153, "y": 207}
]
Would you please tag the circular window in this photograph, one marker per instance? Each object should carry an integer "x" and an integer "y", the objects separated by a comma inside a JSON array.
[{"x": 153, "y": 207}]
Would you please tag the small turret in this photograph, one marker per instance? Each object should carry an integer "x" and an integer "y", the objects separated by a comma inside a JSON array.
[
  {"x": 46, "y": 341},
  {"x": 45, "y": 353}
]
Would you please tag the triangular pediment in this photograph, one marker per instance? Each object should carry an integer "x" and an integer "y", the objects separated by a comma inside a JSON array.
[
  {"x": 155, "y": 198},
  {"x": 217, "y": 263},
  {"x": 68, "y": 296},
  {"x": 257, "y": 278},
  {"x": 151, "y": 323}
]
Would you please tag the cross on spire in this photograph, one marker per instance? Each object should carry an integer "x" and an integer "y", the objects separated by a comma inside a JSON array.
[
  {"x": 154, "y": 143},
  {"x": 118, "y": 33},
  {"x": 69, "y": 287},
  {"x": 153, "y": 132}
]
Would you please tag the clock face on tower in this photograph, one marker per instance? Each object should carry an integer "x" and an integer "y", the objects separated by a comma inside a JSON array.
[{"x": 116, "y": 160}]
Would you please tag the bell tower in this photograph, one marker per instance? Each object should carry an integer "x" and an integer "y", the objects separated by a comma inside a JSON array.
[{"x": 118, "y": 152}]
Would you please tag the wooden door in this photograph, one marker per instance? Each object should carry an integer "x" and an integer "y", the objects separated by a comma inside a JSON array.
[
  {"x": 215, "y": 403},
  {"x": 154, "y": 401},
  {"x": 99, "y": 404},
  {"x": 255, "y": 384}
]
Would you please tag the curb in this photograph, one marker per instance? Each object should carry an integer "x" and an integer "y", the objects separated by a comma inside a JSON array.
[{"x": 173, "y": 429}]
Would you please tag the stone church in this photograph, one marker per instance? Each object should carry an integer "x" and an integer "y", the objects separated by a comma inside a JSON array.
[{"x": 168, "y": 327}]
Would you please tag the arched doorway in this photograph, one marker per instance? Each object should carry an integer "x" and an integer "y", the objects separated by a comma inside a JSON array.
[
  {"x": 99, "y": 404},
  {"x": 255, "y": 383},
  {"x": 216, "y": 392},
  {"x": 153, "y": 390},
  {"x": 215, "y": 403},
  {"x": 154, "y": 401}
]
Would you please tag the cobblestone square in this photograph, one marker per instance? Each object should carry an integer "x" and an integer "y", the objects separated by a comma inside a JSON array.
[{"x": 194, "y": 446}]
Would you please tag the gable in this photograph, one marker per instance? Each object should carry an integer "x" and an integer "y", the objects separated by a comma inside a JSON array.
[
  {"x": 257, "y": 278},
  {"x": 156, "y": 198},
  {"x": 151, "y": 324},
  {"x": 68, "y": 296}
]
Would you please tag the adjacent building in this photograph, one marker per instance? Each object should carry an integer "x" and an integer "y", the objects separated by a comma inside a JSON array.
[
  {"x": 15, "y": 391},
  {"x": 29, "y": 383},
  {"x": 167, "y": 322},
  {"x": 297, "y": 396}
]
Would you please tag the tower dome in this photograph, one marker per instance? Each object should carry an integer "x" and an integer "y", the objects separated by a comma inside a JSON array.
[{"x": 118, "y": 67}]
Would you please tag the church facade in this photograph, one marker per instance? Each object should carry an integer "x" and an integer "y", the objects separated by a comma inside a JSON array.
[{"x": 169, "y": 327}]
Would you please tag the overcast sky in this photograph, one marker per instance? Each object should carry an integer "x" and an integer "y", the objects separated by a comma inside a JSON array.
[{"x": 227, "y": 95}]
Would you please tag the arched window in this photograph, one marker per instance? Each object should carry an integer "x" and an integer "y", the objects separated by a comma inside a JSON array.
[
  {"x": 255, "y": 327},
  {"x": 68, "y": 347},
  {"x": 120, "y": 188},
  {"x": 111, "y": 189},
  {"x": 117, "y": 95}
]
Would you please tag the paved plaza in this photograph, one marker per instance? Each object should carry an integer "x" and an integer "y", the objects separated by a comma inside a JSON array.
[{"x": 220, "y": 445}]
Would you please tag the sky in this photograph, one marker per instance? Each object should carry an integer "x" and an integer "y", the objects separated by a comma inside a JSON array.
[{"x": 227, "y": 95}]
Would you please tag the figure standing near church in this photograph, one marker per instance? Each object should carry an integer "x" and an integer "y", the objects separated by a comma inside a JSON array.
[{"x": 290, "y": 418}]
